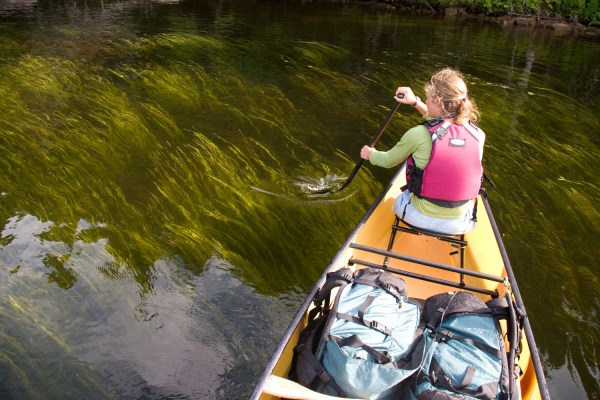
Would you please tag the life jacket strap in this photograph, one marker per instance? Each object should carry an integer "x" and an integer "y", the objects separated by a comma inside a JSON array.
[{"x": 441, "y": 131}]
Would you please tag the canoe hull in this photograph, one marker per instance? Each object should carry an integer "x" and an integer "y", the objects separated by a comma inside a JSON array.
[{"x": 369, "y": 244}]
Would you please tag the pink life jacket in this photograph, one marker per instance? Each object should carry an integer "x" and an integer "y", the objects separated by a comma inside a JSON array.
[{"x": 454, "y": 173}]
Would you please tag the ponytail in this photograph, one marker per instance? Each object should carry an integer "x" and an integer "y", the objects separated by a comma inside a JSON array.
[{"x": 449, "y": 85}]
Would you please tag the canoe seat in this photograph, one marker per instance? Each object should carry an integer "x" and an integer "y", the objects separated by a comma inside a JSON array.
[{"x": 457, "y": 241}]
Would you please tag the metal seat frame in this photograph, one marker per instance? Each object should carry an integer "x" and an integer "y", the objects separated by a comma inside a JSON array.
[{"x": 458, "y": 241}]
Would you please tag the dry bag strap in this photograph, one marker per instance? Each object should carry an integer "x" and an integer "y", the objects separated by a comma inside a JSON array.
[
  {"x": 341, "y": 277},
  {"x": 442, "y": 335},
  {"x": 487, "y": 391},
  {"x": 442, "y": 313},
  {"x": 316, "y": 372},
  {"x": 360, "y": 318},
  {"x": 392, "y": 284},
  {"x": 382, "y": 357}
]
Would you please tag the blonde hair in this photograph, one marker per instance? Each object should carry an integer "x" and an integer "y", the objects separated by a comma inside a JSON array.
[{"x": 449, "y": 85}]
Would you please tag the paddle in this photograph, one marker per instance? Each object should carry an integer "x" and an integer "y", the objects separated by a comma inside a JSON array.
[
  {"x": 284, "y": 388},
  {"x": 382, "y": 127}
]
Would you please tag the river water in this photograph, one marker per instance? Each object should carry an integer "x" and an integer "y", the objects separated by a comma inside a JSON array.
[{"x": 158, "y": 230}]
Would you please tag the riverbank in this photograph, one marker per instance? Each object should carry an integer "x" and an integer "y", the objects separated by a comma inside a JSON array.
[{"x": 556, "y": 25}]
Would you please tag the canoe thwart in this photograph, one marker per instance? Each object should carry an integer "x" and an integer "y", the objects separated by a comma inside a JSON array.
[
  {"x": 426, "y": 278},
  {"x": 476, "y": 274}
]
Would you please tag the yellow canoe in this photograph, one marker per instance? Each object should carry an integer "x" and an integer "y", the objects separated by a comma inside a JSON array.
[{"x": 476, "y": 262}]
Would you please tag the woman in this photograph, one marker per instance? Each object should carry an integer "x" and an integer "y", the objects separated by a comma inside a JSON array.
[{"x": 443, "y": 156}]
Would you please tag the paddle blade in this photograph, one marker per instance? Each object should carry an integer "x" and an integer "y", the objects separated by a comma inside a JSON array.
[
  {"x": 318, "y": 186},
  {"x": 287, "y": 389}
]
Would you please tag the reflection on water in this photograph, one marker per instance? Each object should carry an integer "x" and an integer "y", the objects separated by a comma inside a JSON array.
[
  {"x": 169, "y": 182},
  {"x": 24, "y": 247},
  {"x": 178, "y": 340}
]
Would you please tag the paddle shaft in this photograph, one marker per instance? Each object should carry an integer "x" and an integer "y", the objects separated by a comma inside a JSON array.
[{"x": 382, "y": 127}]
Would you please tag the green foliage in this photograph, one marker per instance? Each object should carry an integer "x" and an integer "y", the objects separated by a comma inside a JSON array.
[
  {"x": 591, "y": 12},
  {"x": 583, "y": 11},
  {"x": 496, "y": 6}
]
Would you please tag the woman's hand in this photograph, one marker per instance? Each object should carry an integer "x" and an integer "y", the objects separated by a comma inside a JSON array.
[
  {"x": 408, "y": 95},
  {"x": 365, "y": 152}
]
